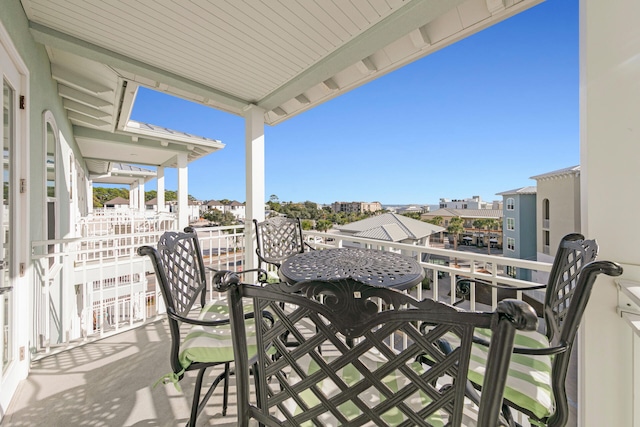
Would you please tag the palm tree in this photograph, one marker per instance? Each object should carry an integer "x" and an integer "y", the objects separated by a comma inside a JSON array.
[
  {"x": 491, "y": 224},
  {"x": 455, "y": 227},
  {"x": 478, "y": 224},
  {"x": 323, "y": 225}
]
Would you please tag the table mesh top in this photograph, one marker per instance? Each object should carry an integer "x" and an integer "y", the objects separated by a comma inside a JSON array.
[{"x": 374, "y": 267}]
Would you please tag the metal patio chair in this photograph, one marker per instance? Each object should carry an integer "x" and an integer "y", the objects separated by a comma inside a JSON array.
[
  {"x": 538, "y": 370},
  {"x": 180, "y": 273},
  {"x": 378, "y": 381},
  {"x": 277, "y": 239}
]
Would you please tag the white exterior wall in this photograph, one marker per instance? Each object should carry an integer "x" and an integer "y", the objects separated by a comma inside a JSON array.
[
  {"x": 610, "y": 154},
  {"x": 563, "y": 193}
]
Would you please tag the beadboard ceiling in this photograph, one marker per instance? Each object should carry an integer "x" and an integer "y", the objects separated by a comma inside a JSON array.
[{"x": 284, "y": 56}]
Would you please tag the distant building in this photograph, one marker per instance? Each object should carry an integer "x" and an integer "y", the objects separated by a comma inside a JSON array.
[
  {"x": 390, "y": 227},
  {"x": 471, "y": 235},
  {"x": 152, "y": 205},
  {"x": 474, "y": 202},
  {"x": 234, "y": 207},
  {"x": 519, "y": 228},
  {"x": 412, "y": 209},
  {"x": 237, "y": 209},
  {"x": 356, "y": 207},
  {"x": 118, "y": 203},
  {"x": 558, "y": 207},
  {"x": 213, "y": 204}
]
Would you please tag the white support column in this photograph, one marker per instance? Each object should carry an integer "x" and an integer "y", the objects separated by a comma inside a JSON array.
[
  {"x": 183, "y": 192},
  {"x": 89, "y": 196},
  {"x": 141, "y": 196},
  {"x": 254, "y": 155},
  {"x": 160, "y": 195},
  {"x": 609, "y": 138},
  {"x": 133, "y": 195}
]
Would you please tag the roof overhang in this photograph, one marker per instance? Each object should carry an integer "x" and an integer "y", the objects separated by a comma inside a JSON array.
[
  {"x": 122, "y": 174},
  {"x": 284, "y": 57},
  {"x": 141, "y": 144}
]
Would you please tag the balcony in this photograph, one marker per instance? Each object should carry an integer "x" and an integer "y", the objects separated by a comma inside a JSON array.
[{"x": 88, "y": 366}]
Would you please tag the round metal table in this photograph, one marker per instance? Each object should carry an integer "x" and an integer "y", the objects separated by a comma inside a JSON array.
[{"x": 371, "y": 266}]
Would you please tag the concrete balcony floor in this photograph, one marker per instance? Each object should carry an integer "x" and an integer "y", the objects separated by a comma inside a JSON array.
[{"x": 110, "y": 383}]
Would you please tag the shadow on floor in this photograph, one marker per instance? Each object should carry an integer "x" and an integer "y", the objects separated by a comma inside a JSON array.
[{"x": 110, "y": 383}]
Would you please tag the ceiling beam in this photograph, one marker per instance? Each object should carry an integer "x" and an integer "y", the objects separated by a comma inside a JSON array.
[
  {"x": 70, "y": 78},
  {"x": 115, "y": 160},
  {"x": 75, "y": 116},
  {"x": 84, "y": 109},
  {"x": 412, "y": 16},
  {"x": 83, "y": 98},
  {"x": 59, "y": 40}
]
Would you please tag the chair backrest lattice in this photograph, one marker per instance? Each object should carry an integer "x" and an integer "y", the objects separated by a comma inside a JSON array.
[
  {"x": 278, "y": 238},
  {"x": 571, "y": 281},
  {"x": 574, "y": 252},
  {"x": 183, "y": 269},
  {"x": 180, "y": 273},
  {"x": 348, "y": 366}
]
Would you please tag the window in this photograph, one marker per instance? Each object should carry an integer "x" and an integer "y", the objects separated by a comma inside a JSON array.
[
  {"x": 511, "y": 243},
  {"x": 545, "y": 242},
  {"x": 545, "y": 213},
  {"x": 511, "y": 224},
  {"x": 545, "y": 209},
  {"x": 512, "y": 271},
  {"x": 511, "y": 204},
  {"x": 51, "y": 144}
]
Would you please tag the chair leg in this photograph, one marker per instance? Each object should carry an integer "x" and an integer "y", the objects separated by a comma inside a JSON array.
[
  {"x": 196, "y": 399},
  {"x": 225, "y": 396},
  {"x": 198, "y": 405},
  {"x": 257, "y": 385}
]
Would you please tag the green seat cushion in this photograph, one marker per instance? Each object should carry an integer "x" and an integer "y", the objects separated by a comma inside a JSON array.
[
  {"x": 370, "y": 397},
  {"x": 529, "y": 379},
  {"x": 272, "y": 277},
  {"x": 213, "y": 344}
]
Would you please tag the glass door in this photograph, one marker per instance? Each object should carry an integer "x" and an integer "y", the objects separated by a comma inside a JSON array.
[
  {"x": 11, "y": 80},
  {"x": 6, "y": 300}
]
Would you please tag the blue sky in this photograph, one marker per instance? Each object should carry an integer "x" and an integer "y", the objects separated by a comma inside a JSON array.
[{"x": 476, "y": 118}]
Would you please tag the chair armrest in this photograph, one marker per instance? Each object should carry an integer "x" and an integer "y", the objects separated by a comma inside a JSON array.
[
  {"x": 219, "y": 274},
  {"x": 265, "y": 314},
  {"x": 191, "y": 321},
  {"x": 309, "y": 246},
  {"x": 547, "y": 351},
  {"x": 463, "y": 288}
]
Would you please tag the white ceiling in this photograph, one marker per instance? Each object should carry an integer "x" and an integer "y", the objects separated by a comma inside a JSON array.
[{"x": 284, "y": 56}]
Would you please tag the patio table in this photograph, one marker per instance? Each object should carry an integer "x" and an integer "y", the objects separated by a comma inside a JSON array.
[{"x": 371, "y": 266}]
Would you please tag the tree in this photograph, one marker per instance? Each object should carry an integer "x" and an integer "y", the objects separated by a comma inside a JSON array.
[
  {"x": 306, "y": 224},
  {"x": 477, "y": 225},
  {"x": 491, "y": 224},
  {"x": 436, "y": 220},
  {"x": 414, "y": 215},
  {"x": 455, "y": 228},
  {"x": 213, "y": 215},
  {"x": 323, "y": 225}
]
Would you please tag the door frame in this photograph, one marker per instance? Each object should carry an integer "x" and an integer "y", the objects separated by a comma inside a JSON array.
[{"x": 20, "y": 236}]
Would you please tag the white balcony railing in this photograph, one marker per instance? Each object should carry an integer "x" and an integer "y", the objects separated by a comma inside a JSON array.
[
  {"x": 441, "y": 265},
  {"x": 97, "y": 285},
  {"x": 93, "y": 286}
]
